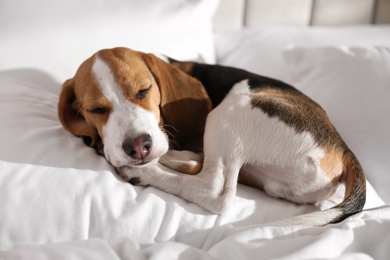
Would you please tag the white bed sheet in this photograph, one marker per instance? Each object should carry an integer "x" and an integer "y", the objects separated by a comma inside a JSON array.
[
  {"x": 63, "y": 212},
  {"x": 342, "y": 241}
]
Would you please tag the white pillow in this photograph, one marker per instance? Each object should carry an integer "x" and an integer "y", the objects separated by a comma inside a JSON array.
[
  {"x": 30, "y": 131},
  {"x": 260, "y": 50},
  {"x": 56, "y": 36},
  {"x": 353, "y": 85}
]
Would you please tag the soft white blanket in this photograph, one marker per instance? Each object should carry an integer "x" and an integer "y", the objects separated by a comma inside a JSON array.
[{"x": 63, "y": 213}]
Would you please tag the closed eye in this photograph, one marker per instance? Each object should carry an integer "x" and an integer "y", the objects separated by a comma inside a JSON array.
[
  {"x": 142, "y": 93},
  {"x": 98, "y": 110}
]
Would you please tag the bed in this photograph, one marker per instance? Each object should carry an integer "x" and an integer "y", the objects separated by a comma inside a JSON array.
[{"x": 60, "y": 200}]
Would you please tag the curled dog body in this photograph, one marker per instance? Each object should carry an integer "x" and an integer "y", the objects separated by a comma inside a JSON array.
[{"x": 257, "y": 130}]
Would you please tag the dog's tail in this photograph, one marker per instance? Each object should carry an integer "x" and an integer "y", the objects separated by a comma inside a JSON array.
[
  {"x": 354, "y": 199},
  {"x": 355, "y": 187}
]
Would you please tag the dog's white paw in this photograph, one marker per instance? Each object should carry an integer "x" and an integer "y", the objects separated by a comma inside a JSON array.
[{"x": 135, "y": 176}]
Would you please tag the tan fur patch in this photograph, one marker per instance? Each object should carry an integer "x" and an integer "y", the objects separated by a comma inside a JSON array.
[
  {"x": 189, "y": 168},
  {"x": 183, "y": 66},
  {"x": 353, "y": 175},
  {"x": 249, "y": 180},
  {"x": 332, "y": 165}
]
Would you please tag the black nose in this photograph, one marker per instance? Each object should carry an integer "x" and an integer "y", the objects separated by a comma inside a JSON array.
[{"x": 139, "y": 147}]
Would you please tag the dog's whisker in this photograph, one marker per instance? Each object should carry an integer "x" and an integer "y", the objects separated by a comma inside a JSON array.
[
  {"x": 170, "y": 126},
  {"x": 170, "y": 136}
]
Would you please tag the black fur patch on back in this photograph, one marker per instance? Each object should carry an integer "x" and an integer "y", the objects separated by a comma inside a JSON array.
[{"x": 218, "y": 80}]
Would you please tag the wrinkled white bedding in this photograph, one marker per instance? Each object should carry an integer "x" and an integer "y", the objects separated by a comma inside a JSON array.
[
  {"x": 59, "y": 200},
  {"x": 62, "y": 212},
  {"x": 342, "y": 241}
]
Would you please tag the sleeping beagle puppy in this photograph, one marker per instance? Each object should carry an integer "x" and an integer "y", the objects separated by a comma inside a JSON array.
[{"x": 134, "y": 109}]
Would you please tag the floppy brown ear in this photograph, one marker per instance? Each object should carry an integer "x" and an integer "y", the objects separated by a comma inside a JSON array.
[
  {"x": 70, "y": 116},
  {"x": 185, "y": 103}
]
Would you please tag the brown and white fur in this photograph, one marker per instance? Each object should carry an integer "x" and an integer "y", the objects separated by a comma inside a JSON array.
[{"x": 260, "y": 131}]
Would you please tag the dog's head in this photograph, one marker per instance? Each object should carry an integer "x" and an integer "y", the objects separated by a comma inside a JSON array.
[{"x": 120, "y": 99}]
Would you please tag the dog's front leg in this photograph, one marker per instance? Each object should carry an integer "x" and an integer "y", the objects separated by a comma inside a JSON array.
[{"x": 213, "y": 188}]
